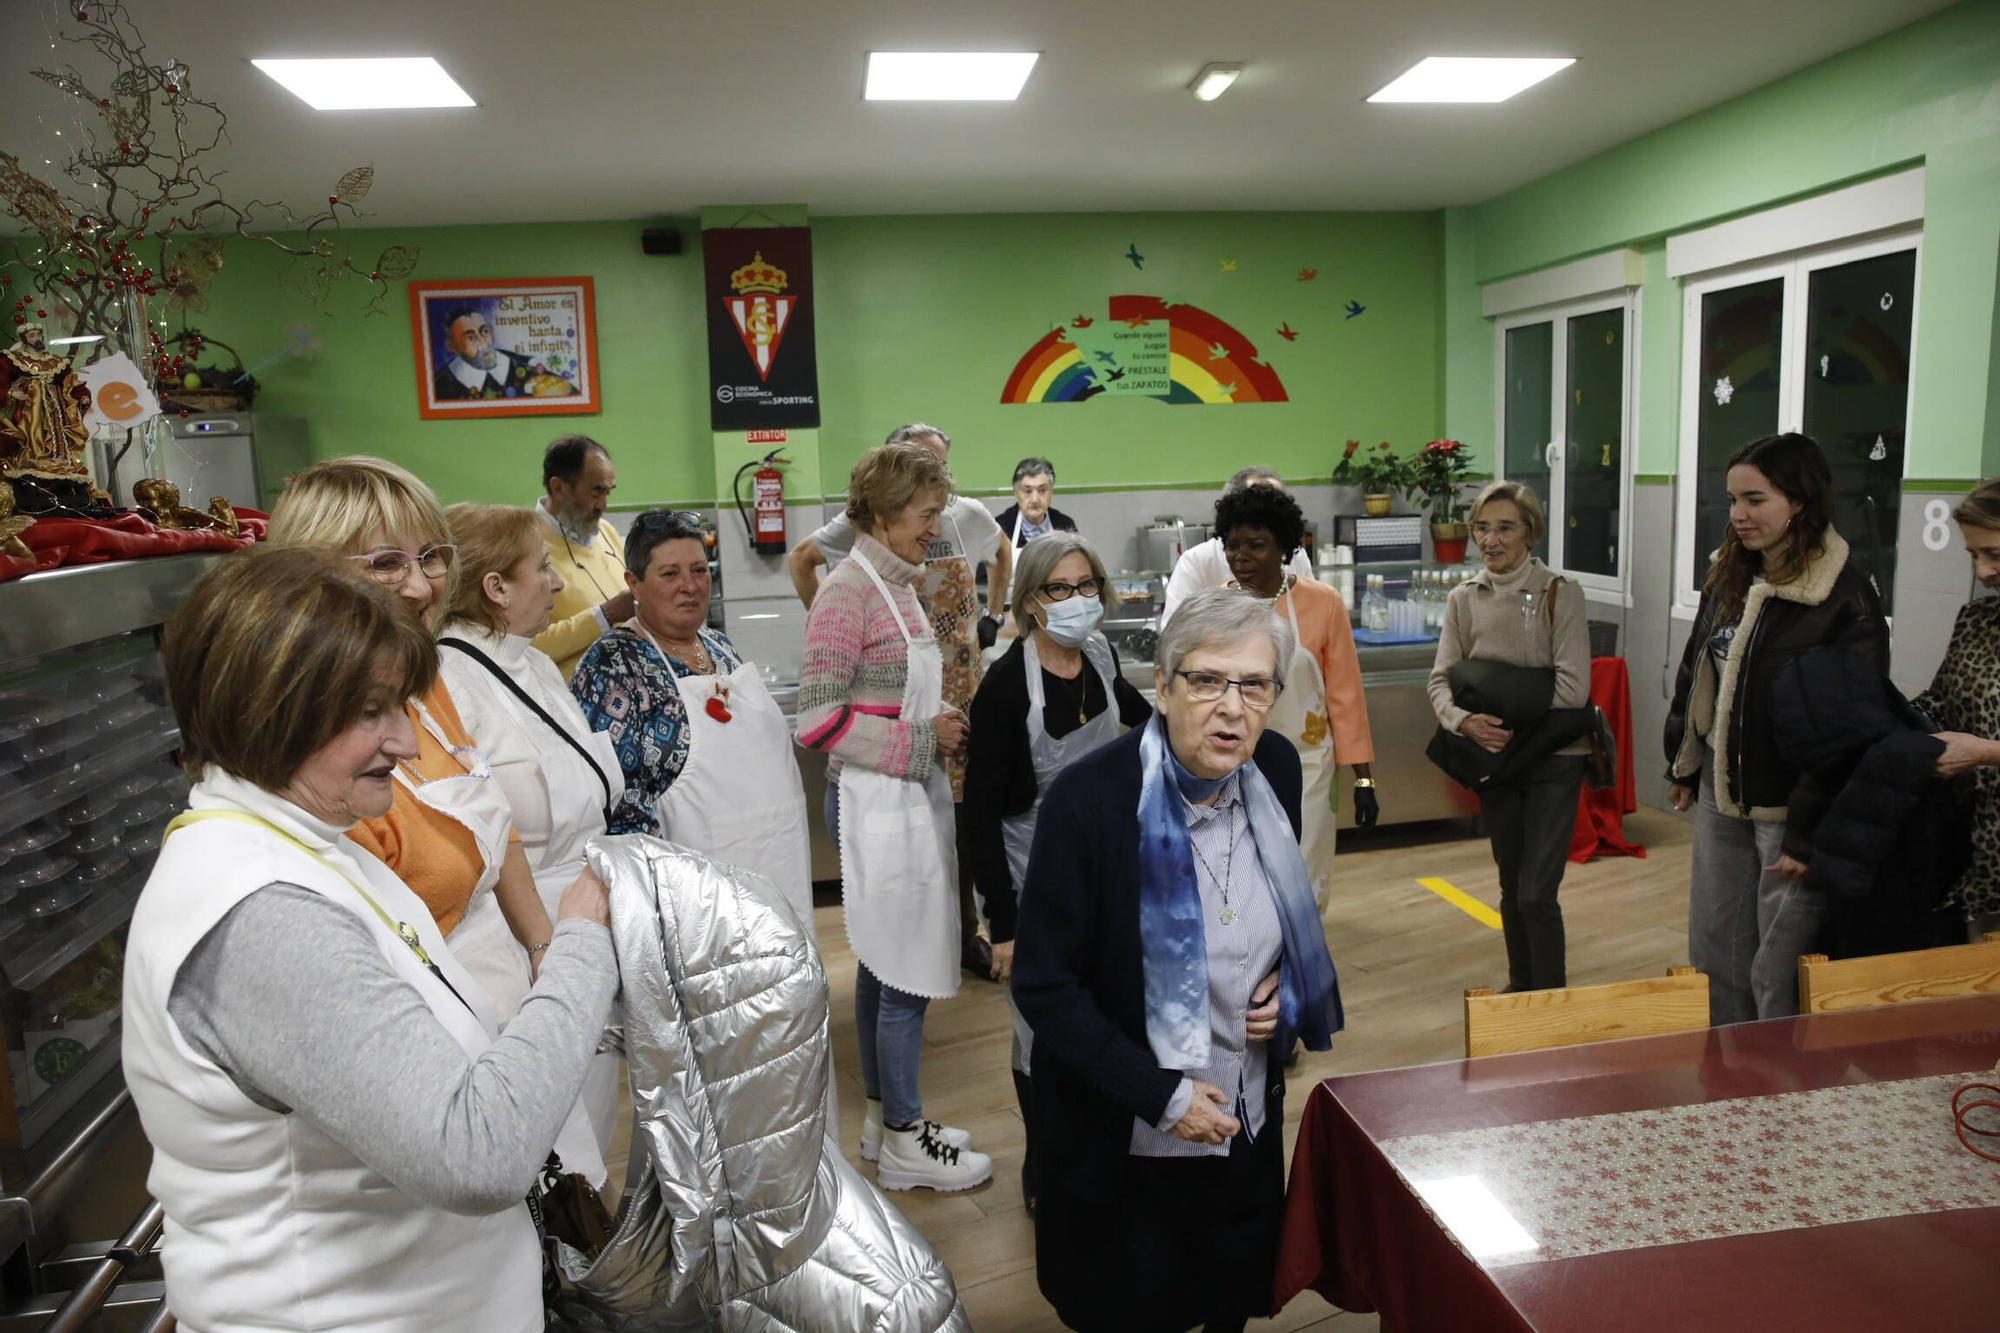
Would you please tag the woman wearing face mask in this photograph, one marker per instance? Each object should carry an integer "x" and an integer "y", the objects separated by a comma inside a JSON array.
[
  {"x": 1322, "y": 712},
  {"x": 1055, "y": 696},
  {"x": 1781, "y": 585},
  {"x": 1516, "y": 613}
]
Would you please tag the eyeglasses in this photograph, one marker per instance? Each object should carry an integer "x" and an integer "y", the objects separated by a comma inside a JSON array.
[
  {"x": 391, "y": 567},
  {"x": 667, "y": 518},
  {"x": 1258, "y": 692},
  {"x": 1504, "y": 531},
  {"x": 1062, "y": 592}
]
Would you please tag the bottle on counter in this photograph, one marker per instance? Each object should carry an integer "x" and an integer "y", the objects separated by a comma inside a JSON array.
[{"x": 1375, "y": 605}]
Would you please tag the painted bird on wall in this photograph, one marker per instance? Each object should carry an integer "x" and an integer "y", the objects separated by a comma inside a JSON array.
[
  {"x": 1116, "y": 373},
  {"x": 1288, "y": 333},
  {"x": 1308, "y": 274},
  {"x": 1082, "y": 322},
  {"x": 1132, "y": 253},
  {"x": 1354, "y": 308},
  {"x": 1217, "y": 352}
]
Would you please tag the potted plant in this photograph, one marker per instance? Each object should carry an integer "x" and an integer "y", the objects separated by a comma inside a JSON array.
[
  {"x": 1438, "y": 474},
  {"x": 1377, "y": 471}
]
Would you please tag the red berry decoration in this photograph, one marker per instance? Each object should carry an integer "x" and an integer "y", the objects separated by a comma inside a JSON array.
[
  {"x": 718, "y": 710},
  {"x": 20, "y": 319},
  {"x": 41, "y": 314},
  {"x": 332, "y": 199}
]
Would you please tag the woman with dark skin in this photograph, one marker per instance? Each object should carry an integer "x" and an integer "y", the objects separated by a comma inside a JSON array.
[{"x": 1322, "y": 712}]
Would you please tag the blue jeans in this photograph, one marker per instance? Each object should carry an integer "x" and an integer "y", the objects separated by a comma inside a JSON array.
[{"x": 889, "y": 1024}]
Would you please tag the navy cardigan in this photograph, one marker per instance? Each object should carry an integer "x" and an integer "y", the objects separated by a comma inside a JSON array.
[
  {"x": 1078, "y": 970},
  {"x": 1079, "y": 981}
]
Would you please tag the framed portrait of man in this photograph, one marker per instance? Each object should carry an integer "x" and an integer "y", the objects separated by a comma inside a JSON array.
[{"x": 504, "y": 347}]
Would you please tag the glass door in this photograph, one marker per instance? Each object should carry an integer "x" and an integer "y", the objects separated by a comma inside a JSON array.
[
  {"x": 1593, "y": 444},
  {"x": 1740, "y": 342},
  {"x": 1529, "y": 427}
]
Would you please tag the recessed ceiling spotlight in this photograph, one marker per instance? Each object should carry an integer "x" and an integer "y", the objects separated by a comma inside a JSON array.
[
  {"x": 947, "y": 76},
  {"x": 1214, "y": 79},
  {"x": 1470, "y": 78},
  {"x": 368, "y": 83}
]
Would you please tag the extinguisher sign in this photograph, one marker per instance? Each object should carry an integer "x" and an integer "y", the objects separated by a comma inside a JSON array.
[{"x": 764, "y": 437}]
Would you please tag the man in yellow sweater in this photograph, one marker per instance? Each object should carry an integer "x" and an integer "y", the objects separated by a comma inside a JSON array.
[{"x": 585, "y": 549}]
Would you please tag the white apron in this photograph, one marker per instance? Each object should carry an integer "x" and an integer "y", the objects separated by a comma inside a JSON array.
[
  {"x": 1050, "y": 756},
  {"x": 1300, "y": 716},
  {"x": 739, "y": 797},
  {"x": 482, "y": 941},
  {"x": 898, "y": 860}
]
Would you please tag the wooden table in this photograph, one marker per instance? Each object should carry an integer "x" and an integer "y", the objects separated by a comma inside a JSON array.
[{"x": 1793, "y": 1174}]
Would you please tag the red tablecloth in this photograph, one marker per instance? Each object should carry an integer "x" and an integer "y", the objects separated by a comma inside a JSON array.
[
  {"x": 1753, "y": 1176},
  {"x": 1601, "y": 811},
  {"x": 91, "y": 541}
]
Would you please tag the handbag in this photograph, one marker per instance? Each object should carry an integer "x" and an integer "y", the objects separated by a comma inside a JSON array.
[
  {"x": 1600, "y": 769},
  {"x": 568, "y": 1211},
  {"x": 451, "y": 641}
]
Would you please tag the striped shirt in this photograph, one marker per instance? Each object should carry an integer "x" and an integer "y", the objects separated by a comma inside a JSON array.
[{"x": 856, "y": 667}]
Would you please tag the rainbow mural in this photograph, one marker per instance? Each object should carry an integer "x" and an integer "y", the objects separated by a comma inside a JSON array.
[{"x": 1210, "y": 361}]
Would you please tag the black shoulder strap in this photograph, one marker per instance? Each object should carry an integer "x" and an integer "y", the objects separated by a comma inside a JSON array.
[{"x": 450, "y": 641}]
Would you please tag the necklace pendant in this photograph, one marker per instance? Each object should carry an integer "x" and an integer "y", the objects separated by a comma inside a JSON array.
[{"x": 1228, "y": 915}]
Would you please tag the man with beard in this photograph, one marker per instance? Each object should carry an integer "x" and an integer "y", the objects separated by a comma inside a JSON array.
[{"x": 584, "y": 548}]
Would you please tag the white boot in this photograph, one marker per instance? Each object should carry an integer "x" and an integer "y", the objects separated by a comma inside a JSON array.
[
  {"x": 871, "y": 1131},
  {"x": 920, "y": 1159}
]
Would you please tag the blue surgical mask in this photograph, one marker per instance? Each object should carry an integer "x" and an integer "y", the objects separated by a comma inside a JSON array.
[{"x": 1070, "y": 622}]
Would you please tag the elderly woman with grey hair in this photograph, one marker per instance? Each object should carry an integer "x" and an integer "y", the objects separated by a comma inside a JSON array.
[
  {"x": 1044, "y": 705},
  {"x": 1168, "y": 943}
]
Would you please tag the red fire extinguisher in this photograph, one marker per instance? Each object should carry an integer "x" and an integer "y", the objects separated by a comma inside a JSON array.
[{"x": 767, "y": 530}]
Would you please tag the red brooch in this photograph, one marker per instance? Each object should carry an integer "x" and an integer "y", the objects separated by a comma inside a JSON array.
[{"x": 718, "y": 703}]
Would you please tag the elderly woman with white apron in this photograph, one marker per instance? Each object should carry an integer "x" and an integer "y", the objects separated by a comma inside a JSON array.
[
  {"x": 449, "y": 833},
  {"x": 559, "y": 777},
  {"x": 1055, "y": 696},
  {"x": 871, "y": 695},
  {"x": 1322, "y": 711},
  {"x": 705, "y": 751}
]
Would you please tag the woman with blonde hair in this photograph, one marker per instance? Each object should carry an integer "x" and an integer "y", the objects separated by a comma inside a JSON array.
[
  {"x": 560, "y": 777},
  {"x": 871, "y": 697},
  {"x": 449, "y": 831},
  {"x": 1964, "y": 699}
]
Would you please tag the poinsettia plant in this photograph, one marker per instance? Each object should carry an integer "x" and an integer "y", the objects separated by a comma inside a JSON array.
[
  {"x": 1438, "y": 474},
  {"x": 1376, "y": 470}
]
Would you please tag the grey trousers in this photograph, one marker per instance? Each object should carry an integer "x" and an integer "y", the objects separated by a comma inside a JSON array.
[
  {"x": 1747, "y": 925},
  {"x": 1530, "y": 827}
]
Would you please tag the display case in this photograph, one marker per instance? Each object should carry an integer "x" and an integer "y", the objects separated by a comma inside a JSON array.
[{"x": 88, "y": 782}]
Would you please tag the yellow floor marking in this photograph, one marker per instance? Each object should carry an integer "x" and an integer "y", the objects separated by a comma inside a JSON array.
[{"x": 1463, "y": 901}]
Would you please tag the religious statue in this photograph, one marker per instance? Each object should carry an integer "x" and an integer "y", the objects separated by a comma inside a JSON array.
[{"x": 42, "y": 404}]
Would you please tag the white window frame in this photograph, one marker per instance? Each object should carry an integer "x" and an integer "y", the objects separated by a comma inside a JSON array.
[
  {"x": 1795, "y": 268},
  {"x": 1615, "y": 586}
]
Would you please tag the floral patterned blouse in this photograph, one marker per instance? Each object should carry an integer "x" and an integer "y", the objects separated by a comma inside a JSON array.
[
  {"x": 1965, "y": 696},
  {"x": 626, "y": 687}
]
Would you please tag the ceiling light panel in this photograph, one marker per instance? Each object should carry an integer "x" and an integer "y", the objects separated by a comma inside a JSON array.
[
  {"x": 947, "y": 76},
  {"x": 1214, "y": 80},
  {"x": 367, "y": 84},
  {"x": 1470, "y": 78}
]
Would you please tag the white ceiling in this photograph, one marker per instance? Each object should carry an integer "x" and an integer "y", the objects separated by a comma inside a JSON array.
[{"x": 642, "y": 108}]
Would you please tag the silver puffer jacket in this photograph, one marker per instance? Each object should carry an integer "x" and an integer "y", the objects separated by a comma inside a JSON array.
[{"x": 740, "y": 1214}]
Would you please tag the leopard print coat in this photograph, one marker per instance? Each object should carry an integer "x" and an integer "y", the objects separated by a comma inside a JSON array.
[{"x": 1965, "y": 696}]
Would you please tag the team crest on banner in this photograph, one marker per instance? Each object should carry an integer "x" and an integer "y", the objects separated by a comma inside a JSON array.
[
  {"x": 761, "y": 358},
  {"x": 760, "y": 310}
]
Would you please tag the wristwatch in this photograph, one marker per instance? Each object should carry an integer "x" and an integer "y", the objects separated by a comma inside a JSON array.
[{"x": 1359, "y": 783}]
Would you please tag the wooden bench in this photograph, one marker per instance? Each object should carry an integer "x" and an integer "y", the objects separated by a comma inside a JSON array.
[
  {"x": 1575, "y": 1015},
  {"x": 1826, "y": 986}
]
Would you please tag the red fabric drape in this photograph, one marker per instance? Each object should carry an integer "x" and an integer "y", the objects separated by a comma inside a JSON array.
[
  {"x": 93, "y": 541},
  {"x": 1600, "y": 812}
]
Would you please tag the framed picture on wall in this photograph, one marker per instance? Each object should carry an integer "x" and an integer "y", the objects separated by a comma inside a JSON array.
[{"x": 504, "y": 347}]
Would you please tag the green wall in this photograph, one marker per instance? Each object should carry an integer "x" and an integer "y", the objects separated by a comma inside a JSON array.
[
  {"x": 919, "y": 317},
  {"x": 1925, "y": 93}
]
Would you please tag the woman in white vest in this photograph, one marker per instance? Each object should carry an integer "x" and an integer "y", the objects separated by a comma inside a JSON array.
[
  {"x": 561, "y": 779},
  {"x": 339, "y": 1140},
  {"x": 1055, "y": 696},
  {"x": 705, "y": 751}
]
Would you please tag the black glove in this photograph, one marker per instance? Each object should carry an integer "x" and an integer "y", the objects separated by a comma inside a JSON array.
[
  {"x": 1366, "y": 808},
  {"x": 989, "y": 631}
]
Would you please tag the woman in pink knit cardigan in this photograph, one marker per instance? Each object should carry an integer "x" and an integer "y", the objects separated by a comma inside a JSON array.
[{"x": 870, "y": 697}]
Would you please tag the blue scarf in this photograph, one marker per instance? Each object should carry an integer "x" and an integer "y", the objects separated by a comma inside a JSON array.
[{"x": 1174, "y": 947}]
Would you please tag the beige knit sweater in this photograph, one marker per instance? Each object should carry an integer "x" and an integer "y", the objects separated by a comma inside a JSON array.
[{"x": 1483, "y": 619}]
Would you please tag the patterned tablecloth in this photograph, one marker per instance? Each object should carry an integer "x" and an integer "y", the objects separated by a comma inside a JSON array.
[{"x": 1623, "y": 1181}]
